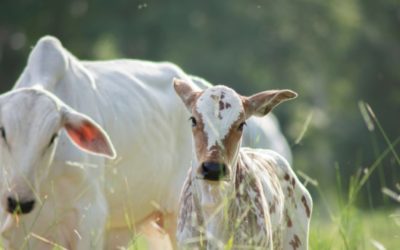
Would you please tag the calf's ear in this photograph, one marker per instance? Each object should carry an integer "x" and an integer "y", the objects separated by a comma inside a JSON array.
[
  {"x": 87, "y": 135},
  {"x": 186, "y": 92},
  {"x": 262, "y": 103}
]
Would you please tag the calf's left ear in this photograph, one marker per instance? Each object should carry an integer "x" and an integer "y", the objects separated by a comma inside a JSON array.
[
  {"x": 262, "y": 103},
  {"x": 87, "y": 135}
]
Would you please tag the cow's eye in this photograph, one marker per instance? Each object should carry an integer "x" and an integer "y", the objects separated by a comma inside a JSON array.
[
  {"x": 52, "y": 139},
  {"x": 3, "y": 133},
  {"x": 194, "y": 122},
  {"x": 241, "y": 126}
]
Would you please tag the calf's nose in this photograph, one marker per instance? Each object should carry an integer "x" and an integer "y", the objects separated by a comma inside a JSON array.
[
  {"x": 19, "y": 207},
  {"x": 213, "y": 171}
]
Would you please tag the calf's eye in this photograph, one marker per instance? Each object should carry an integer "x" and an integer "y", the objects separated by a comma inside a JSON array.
[
  {"x": 52, "y": 139},
  {"x": 241, "y": 126},
  {"x": 194, "y": 122},
  {"x": 3, "y": 133}
]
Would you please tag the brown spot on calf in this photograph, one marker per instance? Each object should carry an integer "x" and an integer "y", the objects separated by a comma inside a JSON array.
[
  {"x": 221, "y": 105},
  {"x": 304, "y": 201},
  {"x": 272, "y": 208},
  {"x": 287, "y": 177},
  {"x": 215, "y": 97},
  {"x": 288, "y": 220},
  {"x": 295, "y": 242},
  {"x": 289, "y": 192}
]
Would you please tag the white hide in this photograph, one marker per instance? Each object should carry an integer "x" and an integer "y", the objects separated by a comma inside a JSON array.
[
  {"x": 218, "y": 109},
  {"x": 135, "y": 103}
]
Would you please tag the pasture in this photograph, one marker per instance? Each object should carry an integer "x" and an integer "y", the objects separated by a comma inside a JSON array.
[{"x": 341, "y": 57}]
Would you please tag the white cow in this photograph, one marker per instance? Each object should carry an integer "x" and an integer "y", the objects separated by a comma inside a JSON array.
[
  {"x": 233, "y": 197},
  {"x": 55, "y": 189}
]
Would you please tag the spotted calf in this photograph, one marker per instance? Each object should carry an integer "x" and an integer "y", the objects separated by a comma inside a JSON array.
[{"x": 238, "y": 197}]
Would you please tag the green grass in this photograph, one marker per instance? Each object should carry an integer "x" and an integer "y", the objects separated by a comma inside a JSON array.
[
  {"x": 362, "y": 229},
  {"x": 356, "y": 230},
  {"x": 336, "y": 222}
]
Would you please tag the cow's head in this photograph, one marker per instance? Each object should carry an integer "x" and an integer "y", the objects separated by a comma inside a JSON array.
[
  {"x": 218, "y": 118},
  {"x": 30, "y": 124}
]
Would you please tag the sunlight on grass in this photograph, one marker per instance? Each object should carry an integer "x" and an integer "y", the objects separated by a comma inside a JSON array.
[{"x": 363, "y": 230}]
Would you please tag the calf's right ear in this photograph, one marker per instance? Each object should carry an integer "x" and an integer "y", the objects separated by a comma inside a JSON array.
[{"x": 186, "y": 92}]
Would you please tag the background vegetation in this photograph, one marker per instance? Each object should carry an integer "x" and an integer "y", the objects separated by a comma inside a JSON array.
[{"x": 341, "y": 56}]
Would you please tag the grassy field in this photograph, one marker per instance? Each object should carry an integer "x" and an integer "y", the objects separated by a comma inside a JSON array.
[
  {"x": 354, "y": 229},
  {"x": 336, "y": 222},
  {"x": 349, "y": 230}
]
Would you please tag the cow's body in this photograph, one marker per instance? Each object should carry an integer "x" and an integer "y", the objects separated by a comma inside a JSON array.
[
  {"x": 269, "y": 205},
  {"x": 135, "y": 104}
]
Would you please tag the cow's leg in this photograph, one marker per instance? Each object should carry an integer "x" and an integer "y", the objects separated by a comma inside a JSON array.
[
  {"x": 148, "y": 232},
  {"x": 80, "y": 214},
  {"x": 170, "y": 226},
  {"x": 118, "y": 238},
  {"x": 154, "y": 234},
  {"x": 92, "y": 222}
]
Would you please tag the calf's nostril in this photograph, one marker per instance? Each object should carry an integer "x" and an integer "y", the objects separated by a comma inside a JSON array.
[
  {"x": 19, "y": 207},
  {"x": 11, "y": 205}
]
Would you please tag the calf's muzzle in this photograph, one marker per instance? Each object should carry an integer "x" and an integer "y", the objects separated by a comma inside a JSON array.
[{"x": 213, "y": 171}]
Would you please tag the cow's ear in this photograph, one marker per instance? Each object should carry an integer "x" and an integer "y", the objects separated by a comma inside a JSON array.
[
  {"x": 186, "y": 92},
  {"x": 262, "y": 103},
  {"x": 87, "y": 135},
  {"x": 47, "y": 63}
]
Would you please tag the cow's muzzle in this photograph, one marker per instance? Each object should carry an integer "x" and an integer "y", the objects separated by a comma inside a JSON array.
[{"x": 16, "y": 206}]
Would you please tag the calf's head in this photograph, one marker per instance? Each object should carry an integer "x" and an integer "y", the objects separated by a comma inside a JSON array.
[
  {"x": 218, "y": 118},
  {"x": 30, "y": 124}
]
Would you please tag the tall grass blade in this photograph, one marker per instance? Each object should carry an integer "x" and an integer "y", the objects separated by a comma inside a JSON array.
[
  {"x": 364, "y": 113},
  {"x": 305, "y": 128},
  {"x": 395, "y": 196},
  {"x": 378, "y": 124}
]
